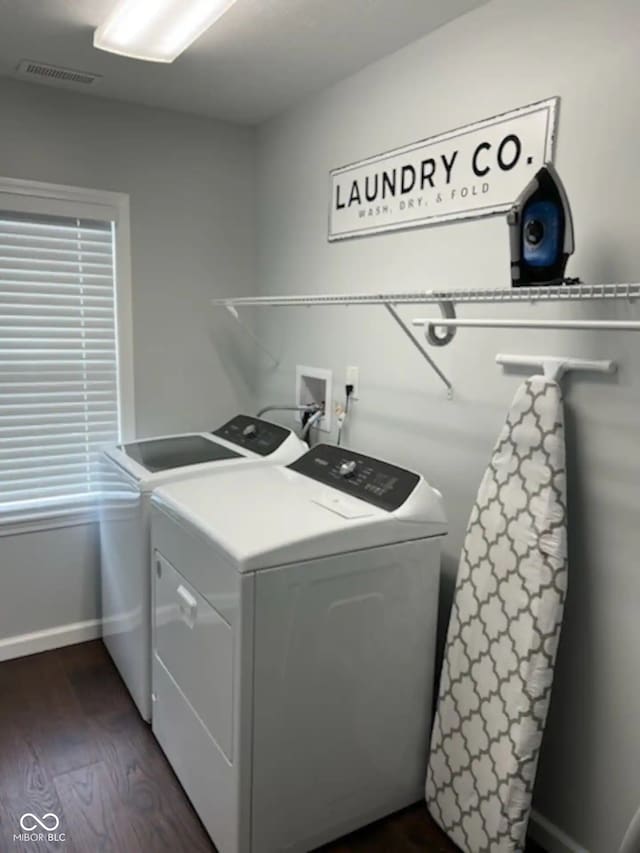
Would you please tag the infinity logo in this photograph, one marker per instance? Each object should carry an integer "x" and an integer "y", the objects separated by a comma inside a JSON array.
[{"x": 29, "y": 822}]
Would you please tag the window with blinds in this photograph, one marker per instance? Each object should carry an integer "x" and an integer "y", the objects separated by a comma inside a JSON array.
[{"x": 58, "y": 361}]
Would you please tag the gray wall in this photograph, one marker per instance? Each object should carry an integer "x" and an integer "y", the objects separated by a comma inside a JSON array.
[
  {"x": 193, "y": 236},
  {"x": 190, "y": 183},
  {"x": 501, "y": 56}
]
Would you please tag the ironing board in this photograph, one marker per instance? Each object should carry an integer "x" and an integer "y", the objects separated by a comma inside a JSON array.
[{"x": 503, "y": 633}]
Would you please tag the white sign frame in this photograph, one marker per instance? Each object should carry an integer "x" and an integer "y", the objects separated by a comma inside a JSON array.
[{"x": 542, "y": 144}]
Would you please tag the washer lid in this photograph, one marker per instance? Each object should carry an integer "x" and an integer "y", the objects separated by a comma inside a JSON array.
[
  {"x": 260, "y": 516},
  {"x": 243, "y": 440},
  {"x": 149, "y": 462},
  {"x": 176, "y": 451}
]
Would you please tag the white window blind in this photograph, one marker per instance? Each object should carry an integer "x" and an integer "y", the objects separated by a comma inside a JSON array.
[{"x": 58, "y": 361}]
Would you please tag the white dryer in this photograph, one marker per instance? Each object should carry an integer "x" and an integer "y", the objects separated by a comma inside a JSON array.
[
  {"x": 295, "y": 615},
  {"x": 129, "y": 472}
]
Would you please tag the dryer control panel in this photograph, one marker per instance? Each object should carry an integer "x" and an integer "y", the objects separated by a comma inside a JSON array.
[
  {"x": 379, "y": 483},
  {"x": 262, "y": 437}
]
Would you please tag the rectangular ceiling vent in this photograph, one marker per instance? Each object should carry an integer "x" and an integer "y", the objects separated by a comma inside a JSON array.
[{"x": 55, "y": 74}]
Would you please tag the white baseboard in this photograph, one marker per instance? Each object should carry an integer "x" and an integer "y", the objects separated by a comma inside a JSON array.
[
  {"x": 550, "y": 838},
  {"x": 49, "y": 638}
]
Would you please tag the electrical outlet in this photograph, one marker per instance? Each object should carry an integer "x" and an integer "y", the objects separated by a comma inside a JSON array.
[
  {"x": 315, "y": 385},
  {"x": 352, "y": 377}
]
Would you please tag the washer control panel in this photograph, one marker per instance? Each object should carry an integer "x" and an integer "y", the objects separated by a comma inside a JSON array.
[
  {"x": 262, "y": 437},
  {"x": 379, "y": 483}
]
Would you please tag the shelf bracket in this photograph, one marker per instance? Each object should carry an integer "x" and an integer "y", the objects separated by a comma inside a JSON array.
[
  {"x": 233, "y": 311},
  {"x": 392, "y": 310}
]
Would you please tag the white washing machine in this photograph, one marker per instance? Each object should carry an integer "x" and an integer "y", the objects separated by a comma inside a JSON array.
[
  {"x": 295, "y": 619},
  {"x": 128, "y": 474}
]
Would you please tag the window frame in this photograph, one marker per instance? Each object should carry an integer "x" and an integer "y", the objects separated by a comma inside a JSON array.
[{"x": 40, "y": 197}]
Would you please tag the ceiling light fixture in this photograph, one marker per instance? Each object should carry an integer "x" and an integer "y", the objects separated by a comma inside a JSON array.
[{"x": 157, "y": 30}]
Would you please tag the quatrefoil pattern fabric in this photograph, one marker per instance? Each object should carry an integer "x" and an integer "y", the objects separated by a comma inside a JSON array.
[{"x": 503, "y": 633}]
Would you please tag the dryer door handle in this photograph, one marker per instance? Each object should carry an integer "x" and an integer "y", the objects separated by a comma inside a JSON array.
[{"x": 188, "y": 606}]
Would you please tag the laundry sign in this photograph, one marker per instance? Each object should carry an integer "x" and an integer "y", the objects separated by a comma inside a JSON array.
[{"x": 476, "y": 170}]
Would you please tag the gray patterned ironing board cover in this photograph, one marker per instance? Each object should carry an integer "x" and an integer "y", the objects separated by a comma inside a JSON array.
[{"x": 503, "y": 633}]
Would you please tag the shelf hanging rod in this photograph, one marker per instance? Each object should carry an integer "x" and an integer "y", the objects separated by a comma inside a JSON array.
[{"x": 431, "y": 323}]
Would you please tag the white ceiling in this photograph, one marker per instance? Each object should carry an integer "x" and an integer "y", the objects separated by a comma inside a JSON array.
[{"x": 260, "y": 58}]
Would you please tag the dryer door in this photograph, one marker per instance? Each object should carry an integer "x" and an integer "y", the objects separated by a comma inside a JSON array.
[{"x": 195, "y": 645}]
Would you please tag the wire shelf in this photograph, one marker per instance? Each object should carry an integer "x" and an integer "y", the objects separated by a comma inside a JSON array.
[
  {"x": 447, "y": 300},
  {"x": 563, "y": 293}
]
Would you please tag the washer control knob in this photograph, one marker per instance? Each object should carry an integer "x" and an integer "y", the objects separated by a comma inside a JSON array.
[
  {"x": 347, "y": 469},
  {"x": 250, "y": 431}
]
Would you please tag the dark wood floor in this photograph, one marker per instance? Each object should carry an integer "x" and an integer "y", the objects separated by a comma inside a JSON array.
[{"x": 73, "y": 744}]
